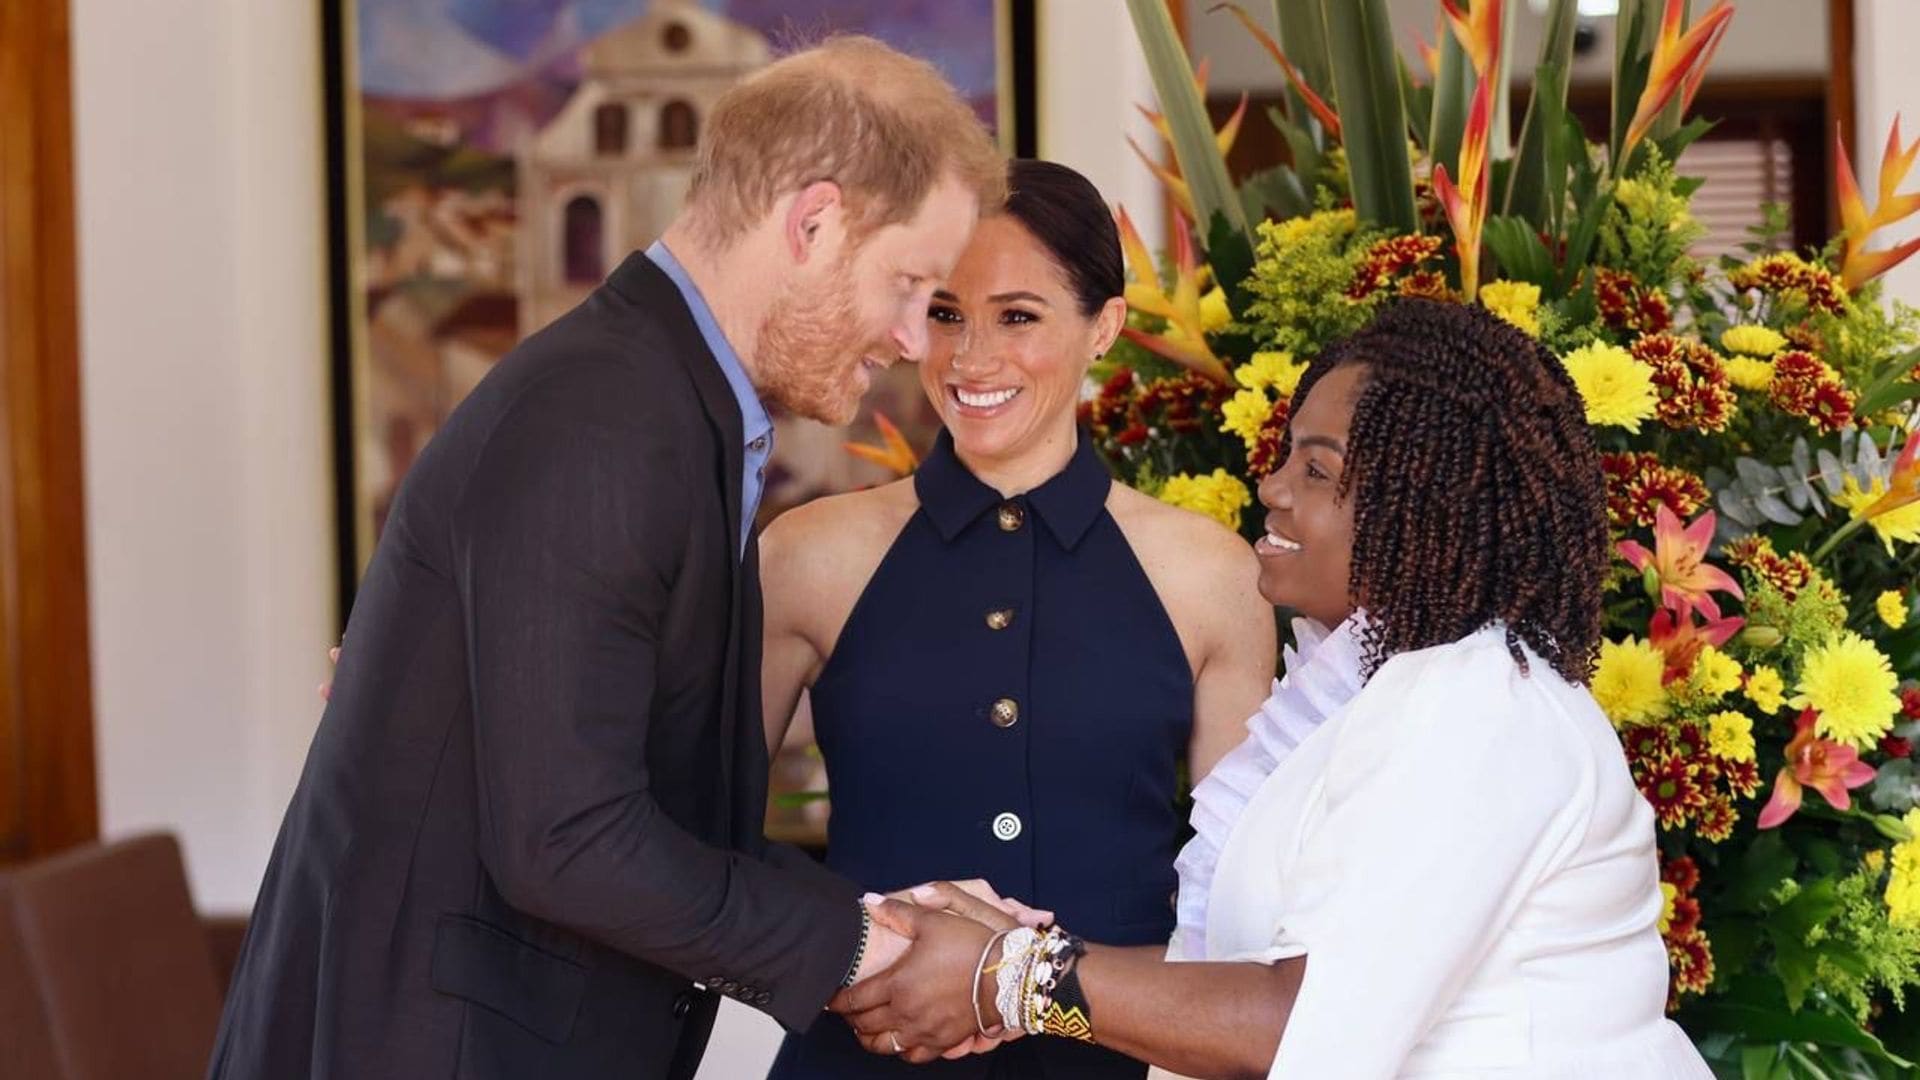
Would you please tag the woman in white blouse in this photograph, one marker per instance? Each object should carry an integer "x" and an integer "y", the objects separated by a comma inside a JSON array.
[{"x": 1428, "y": 858}]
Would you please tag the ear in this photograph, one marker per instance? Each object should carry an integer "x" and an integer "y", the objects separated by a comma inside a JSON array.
[
  {"x": 805, "y": 230},
  {"x": 1107, "y": 323}
]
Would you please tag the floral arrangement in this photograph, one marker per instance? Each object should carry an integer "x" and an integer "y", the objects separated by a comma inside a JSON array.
[{"x": 1758, "y": 428}]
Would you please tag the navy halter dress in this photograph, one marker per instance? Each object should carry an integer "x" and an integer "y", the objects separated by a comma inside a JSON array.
[{"x": 1010, "y": 701}]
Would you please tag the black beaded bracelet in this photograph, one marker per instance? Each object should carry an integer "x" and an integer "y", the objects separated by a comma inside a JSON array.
[
  {"x": 859, "y": 954},
  {"x": 1070, "y": 1016}
]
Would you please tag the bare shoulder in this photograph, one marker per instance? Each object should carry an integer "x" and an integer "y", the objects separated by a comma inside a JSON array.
[
  {"x": 1206, "y": 575},
  {"x": 816, "y": 558}
]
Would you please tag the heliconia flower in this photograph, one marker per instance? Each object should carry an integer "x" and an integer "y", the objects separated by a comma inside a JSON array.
[
  {"x": 1478, "y": 28},
  {"x": 1812, "y": 762},
  {"x": 1185, "y": 343},
  {"x": 894, "y": 454},
  {"x": 1858, "y": 265},
  {"x": 1465, "y": 197},
  {"x": 1223, "y": 138},
  {"x": 1680, "y": 60},
  {"x": 1429, "y": 52},
  {"x": 1317, "y": 105},
  {"x": 1679, "y": 562}
]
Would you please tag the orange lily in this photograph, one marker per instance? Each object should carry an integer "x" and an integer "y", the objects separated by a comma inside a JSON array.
[
  {"x": 1679, "y": 562},
  {"x": 1858, "y": 265},
  {"x": 1680, "y": 59},
  {"x": 1827, "y": 767},
  {"x": 1317, "y": 105},
  {"x": 1185, "y": 342},
  {"x": 1681, "y": 639},
  {"x": 895, "y": 454}
]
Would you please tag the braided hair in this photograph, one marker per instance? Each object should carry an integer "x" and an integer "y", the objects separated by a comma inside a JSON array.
[{"x": 1477, "y": 486}]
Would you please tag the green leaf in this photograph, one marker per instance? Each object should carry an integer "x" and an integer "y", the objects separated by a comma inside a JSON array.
[
  {"x": 1308, "y": 160},
  {"x": 1522, "y": 256},
  {"x": 1231, "y": 258},
  {"x": 1674, "y": 143},
  {"x": 1373, "y": 118},
  {"x": 1277, "y": 192},
  {"x": 1580, "y": 237},
  {"x": 1452, "y": 98},
  {"x": 1754, "y": 1022},
  {"x": 1419, "y": 101},
  {"x": 1303, "y": 37},
  {"x": 1634, "y": 29},
  {"x": 1538, "y": 164},
  {"x": 1749, "y": 881},
  {"x": 1887, "y": 397},
  {"x": 1762, "y": 1063},
  {"x": 1200, "y": 159}
]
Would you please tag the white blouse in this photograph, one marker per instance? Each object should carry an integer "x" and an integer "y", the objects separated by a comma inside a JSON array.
[{"x": 1465, "y": 862}]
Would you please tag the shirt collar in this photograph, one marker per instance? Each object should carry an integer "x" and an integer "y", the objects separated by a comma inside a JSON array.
[
  {"x": 754, "y": 421},
  {"x": 1069, "y": 502}
]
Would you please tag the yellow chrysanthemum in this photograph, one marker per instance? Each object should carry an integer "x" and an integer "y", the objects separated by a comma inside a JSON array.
[
  {"x": 1851, "y": 684},
  {"x": 1244, "y": 413},
  {"x": 1214, "y": 314},
  {"x": 1752, "y": 341},
  {"x": 1514, "y": 301},
  {"x": 1749, "y": 374},
  {"x": 1892, "y": 608},
  {"x": 1328, "y": 224},
  {"x": 1617, "y": 389},
  {"x": 1902, "y": 523},
  {"x": 1219, "y": 495},
  {"x": 1766, "y": 689},
  {"x": 1627, "y": 682},
  {"x": 1275, "y": 371},
  {"x": 1714, "y": 675},
  {"x": 1903, "y": 883},
  {"x": 1669, "y": 892},
  {"x": 1730, "y": 735}
]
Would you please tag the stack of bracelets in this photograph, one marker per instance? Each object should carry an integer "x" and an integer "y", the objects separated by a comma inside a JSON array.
[{"x": 1038, "y": 983}]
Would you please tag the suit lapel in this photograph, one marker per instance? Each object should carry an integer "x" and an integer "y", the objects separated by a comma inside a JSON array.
[{"x": 646, "y": 284}]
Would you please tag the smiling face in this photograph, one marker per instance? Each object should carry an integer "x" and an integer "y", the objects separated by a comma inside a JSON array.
[
  {"x": 858, "y": 309},
  {"x": 1306, "y": 558},
  {"x": 1010, "y": 345}
]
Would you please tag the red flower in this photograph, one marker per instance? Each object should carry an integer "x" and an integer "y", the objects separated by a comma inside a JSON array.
[
  {"x": 1804, "y": 386},
  {"x": 1681, "y": 873},
  {"x": 1426, "y": 284},
  {"x": 1265, "y": 455},
  {"x": 1741, "y": 776},
  {"x": 1695, "y": 392},
  {"x": 1638, "y": 484},
  {"x": 1625, "y": 305},
  {"x": 1714, "y": 825},
  {"x": 1690, "y": 956},
  {"x": 1910, "y": 702},
  {"x": 1388, "y": 259},
  {"x": 1674, "y": 792},
  {"x": 1896, "y": 747},
  {"x": 1784, "y": 272},
  {"x": 1686, "y": 916},
  {"x": 1682, "y": 639},
  {"x": 1788, "y": 574}
]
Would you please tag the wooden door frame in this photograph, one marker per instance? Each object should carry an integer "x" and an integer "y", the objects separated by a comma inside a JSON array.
[{"x": 47, "y": 790}]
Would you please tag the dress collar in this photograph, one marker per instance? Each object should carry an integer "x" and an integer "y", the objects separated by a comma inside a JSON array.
[{"x": 1069, "y": 502}]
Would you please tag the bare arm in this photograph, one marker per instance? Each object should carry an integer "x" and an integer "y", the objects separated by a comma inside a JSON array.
[
  {"x": 789, "y": 659},
  {"x": 1237, "y": 673}
]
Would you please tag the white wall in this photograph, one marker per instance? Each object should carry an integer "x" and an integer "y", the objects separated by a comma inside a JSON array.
[
  {"x": 204, "y": 383},
  {"x": 1884, "y": 33}
]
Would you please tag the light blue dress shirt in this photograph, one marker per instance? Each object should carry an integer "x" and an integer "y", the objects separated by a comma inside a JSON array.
[{"x": 755, "y": 424}]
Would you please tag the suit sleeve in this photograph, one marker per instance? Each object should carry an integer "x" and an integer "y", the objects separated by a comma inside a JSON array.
[{"x": 567, "y": 538}]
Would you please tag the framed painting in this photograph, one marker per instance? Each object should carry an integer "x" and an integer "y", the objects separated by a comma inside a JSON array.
[{"x": 491, "y": 160}]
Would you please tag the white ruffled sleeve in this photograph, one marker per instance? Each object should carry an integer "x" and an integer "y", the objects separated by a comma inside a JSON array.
[
  {"x": 1322, "y": 674},
  {"x": 1455, "y": 786}
]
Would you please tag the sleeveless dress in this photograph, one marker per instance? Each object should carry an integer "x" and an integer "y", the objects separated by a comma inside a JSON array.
[{"x": 1009, "y": 701}]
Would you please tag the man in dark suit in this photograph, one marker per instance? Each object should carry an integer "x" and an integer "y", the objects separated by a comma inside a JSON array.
[{"x": 527, "y": 839}]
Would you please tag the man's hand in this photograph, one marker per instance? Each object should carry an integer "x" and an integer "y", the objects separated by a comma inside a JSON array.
[
  {"x": 932, "y": 895},
  {"x": 885, "y": 944},
  {"x": 926, "y": 1005}
]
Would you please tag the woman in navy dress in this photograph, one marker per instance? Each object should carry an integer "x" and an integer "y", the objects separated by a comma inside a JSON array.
[{"x": 1009, "y": 649}]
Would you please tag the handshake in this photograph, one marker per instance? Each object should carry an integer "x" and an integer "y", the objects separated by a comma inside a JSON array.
[{"x": 957, "y": 970}]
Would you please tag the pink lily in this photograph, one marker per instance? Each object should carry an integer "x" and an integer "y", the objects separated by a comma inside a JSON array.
[
  {"x": 1679, "y": 561},
  {"x": 1680, "y": 61},
  {"x": 1858, "y": 265},
  {"x": 1827, "y": 767}
]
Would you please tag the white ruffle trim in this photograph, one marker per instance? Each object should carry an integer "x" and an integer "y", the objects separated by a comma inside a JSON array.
[{"x": 1322, "y": 674}]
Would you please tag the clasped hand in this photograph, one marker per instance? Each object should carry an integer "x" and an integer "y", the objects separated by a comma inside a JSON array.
[{"x": 928, "y": 1004}]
